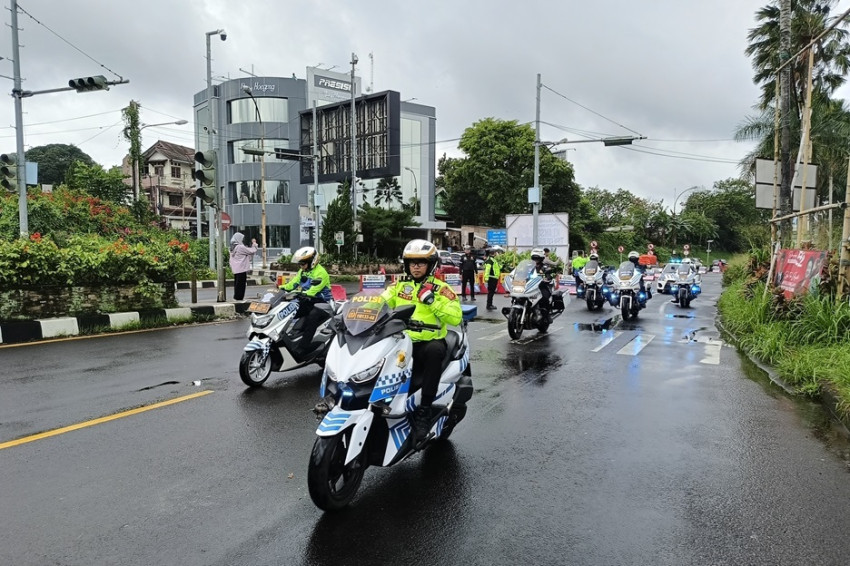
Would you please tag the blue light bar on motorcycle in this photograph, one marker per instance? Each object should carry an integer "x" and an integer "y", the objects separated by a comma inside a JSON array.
[
  {"x": 674, "y": 288},
  {"x": 696, "y": 290}
]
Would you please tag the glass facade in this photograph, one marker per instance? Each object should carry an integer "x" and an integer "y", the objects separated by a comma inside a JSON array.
[
  {"x": 278, "y": 237},
  {"x": 271, "y": 110},
  {"x": 246, "y": 192},
  {"x": 239, "y": 156}
]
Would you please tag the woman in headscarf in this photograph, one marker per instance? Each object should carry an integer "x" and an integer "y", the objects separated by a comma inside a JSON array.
[{"x": 240, "y": 263}]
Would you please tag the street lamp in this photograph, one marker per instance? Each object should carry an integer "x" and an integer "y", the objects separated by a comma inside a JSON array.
[
  {"x": 137, "y": 162},
  {"x": 354, "y": 61},
  {"x": 707, "y": 254},
  {"x": 415, "y": 191},
  {"x": 218, "y": 259},
  {"x": 676, "y": 197},
  {"x": 247, "y": 90}
]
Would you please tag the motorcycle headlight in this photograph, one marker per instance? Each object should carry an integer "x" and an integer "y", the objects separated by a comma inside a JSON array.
[
  {"x": 696, "y": 290},
  {"x": 261, "y": 321},
  {"x": 518, "y": 289},
  {"x": 674, "y": 288},
  {"x": 368, "y": 374}
]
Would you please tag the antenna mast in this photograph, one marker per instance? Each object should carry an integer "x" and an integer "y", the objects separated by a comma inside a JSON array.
[{"x": 371, "y": 73}]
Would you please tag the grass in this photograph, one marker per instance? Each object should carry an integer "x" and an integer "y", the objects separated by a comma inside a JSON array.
[{"x": 806, "y": 340}]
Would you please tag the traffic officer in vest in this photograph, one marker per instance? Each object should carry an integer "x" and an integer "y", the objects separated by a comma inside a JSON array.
[
  {"x": 492, "y": 271},
  {"x": 313, "y": 279},
  {"x": 436, "y": 303}
]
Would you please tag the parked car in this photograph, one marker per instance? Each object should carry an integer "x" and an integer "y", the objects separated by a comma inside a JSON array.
[
  {"x": 456, "y": 259},
  {"x": 444, "y": 257}
]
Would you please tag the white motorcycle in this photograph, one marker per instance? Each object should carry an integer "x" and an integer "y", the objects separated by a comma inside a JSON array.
[
  {"x": 525, "y": 313},
  {"x": 368, "y": 398},
  {"x": 592, "y": 285},
  {"x": 275, "y": 336},
  {"x": 625, "y": 290},
  {"x": 685, "y": 286}
]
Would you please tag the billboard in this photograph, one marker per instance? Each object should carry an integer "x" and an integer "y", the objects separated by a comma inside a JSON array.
[
  {"x": 378, "y": 139},
  {"x": 553, "y": 231},
  {"x": 798, "y": 271},
  {"x": 327, "y": 87},
  {"x": 767, "y": 169}
]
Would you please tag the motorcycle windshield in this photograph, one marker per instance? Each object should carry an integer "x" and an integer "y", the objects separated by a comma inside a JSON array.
[
  {"x": 626, "y": 271},
  {"x": 683, "y": 271},
  {"x": 524, "y": 271},
  {"x": 362, "y": 312},
  {"x": 591, "y": 267}
]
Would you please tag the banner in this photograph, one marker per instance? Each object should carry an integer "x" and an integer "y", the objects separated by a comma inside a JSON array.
[{"x": 798, "y": 271}]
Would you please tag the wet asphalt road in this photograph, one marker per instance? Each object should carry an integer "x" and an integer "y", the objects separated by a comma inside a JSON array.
[{"x": 602, "y": 442}]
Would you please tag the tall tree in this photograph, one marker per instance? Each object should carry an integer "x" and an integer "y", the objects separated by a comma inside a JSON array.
[
  {"x": 133, "y": 134},
  {"x": 492, "y": 179},
  {"x": 388, "y": 191},
  {"x": 55, "y": 159},
  {"x": 339, "y": 218},
  {"x": 108, "y": 186}
]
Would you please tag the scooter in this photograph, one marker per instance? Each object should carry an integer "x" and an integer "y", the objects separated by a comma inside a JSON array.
[
  {"x": 625, "y": 291},
  {"x": 368, "y": 397},
  {"x": 525, "y": 313},
  {"x": 275, "y": 337},
  {"x": 592, "y": 286},
  {"x": 685, "y": 287}
]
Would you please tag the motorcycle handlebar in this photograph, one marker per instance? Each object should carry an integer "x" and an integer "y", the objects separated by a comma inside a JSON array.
[{"x": 415, "y": 324}]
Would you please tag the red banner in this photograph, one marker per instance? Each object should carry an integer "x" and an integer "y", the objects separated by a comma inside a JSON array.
[{"x": 798, "y": 271}]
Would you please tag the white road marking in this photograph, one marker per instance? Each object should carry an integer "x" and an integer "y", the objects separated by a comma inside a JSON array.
[
  {"x": 712, "y": 352},
  {"x": 636, "y": 344},
  {"x": 607, "y": 338}
]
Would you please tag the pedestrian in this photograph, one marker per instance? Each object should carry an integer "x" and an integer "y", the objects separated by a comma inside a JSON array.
[
  {"x": 240, "y": 262},
  {"x": 468, "y": 273},
  {"x": 492, "y": 271}
]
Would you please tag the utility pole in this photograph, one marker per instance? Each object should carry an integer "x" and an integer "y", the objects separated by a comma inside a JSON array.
[
  {"x": 535, "y": 207},
  {"x": 317, "y": 214},
  {"x": 844, "y": 262},
  {"x": 17, "y": 93}
]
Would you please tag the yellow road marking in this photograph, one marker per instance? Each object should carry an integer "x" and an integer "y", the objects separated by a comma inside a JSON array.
[{"x": 100, "y": 420}]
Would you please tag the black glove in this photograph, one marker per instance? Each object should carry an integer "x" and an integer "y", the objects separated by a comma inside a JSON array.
[{"x": 426, "y": 295}]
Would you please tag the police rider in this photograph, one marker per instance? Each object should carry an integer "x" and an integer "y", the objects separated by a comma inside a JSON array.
[
  {"x": 436, "y": 303},
  {"x": 492, "y": 271},
  {"x": 634, "y": 257},
  {"x": 314, "y": 281},
  {"x": 547, "y": 270}
]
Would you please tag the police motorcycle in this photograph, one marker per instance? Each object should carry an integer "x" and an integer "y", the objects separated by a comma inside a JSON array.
[
  {"x": 685, "y": 286},
  {"x": 592, "y": 284},
  {"x": 625, "y": 291},
  {"x": 525, "y": 313},
  {"x": 368, "y": 399},
  {"x": 275, "y": 336}
]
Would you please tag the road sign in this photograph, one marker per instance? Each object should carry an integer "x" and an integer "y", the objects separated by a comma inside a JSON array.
[
  {"x": 686, "y": 247},
  {"x": 340, "y": 238},
  {"x": 621, "y": 249},
  {"x": 651, "y": 247},
  {"x": 593, "y": 244},
  {"x": 225, "y": 221}
]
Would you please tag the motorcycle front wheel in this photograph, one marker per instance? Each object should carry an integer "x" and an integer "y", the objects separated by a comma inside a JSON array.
[
  {"x": 514, "y": 326},
  {"x": 253, "y": 370},
  {"x": 626, "y": 310},
  {"x": 683, "y": 298},
  {"x": 331, "y": 483}
]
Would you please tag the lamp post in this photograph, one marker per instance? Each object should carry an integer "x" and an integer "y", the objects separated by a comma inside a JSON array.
[
  {"x": 415, "y": 191},
  {"x": 708, "y": 254},
  {"x": 137, "y": 174},
  {"x": 354, "y": 150},
  {"x": 676, "y": 197},
  {"x": 247, "y": 90},
  {"x": 216, "y": 260}
]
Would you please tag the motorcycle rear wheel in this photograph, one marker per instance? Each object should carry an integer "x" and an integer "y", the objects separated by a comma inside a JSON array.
[
  {"x": 514, "y": 327},
  {"x": 455, "y": 416},
  {"x": 253, "y": 372},
  {"x": 332, "y": 484}
]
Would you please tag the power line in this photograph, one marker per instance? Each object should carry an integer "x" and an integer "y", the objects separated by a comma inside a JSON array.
[
  {"x": 68, "y": 42},
  {"x": 589, "y": 110}
]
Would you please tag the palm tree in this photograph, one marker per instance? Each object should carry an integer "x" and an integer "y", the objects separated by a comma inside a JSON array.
[
  {"x": 388, "y": 191},
  {"x": 809, "y": 18}
]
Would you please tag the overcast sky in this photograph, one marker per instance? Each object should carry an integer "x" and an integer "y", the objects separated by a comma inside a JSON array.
[{"x": 671, "y": 70}]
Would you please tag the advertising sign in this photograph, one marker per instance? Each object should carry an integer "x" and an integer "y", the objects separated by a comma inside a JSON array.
[
  {"x": 798, "y": 271},
  {"x": 372, "y": 283}
]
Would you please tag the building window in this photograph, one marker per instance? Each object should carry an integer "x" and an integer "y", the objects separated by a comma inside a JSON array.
[
  {"x": 278, "y": 236},
  {"x": 247, "y": 192},
  {"x": 175, "y": 172},
  {"x": 158, "y": 170},
  {"x": 239, "y": 156},
  {"x": 175, "y": 200},
  {"x": 146, "y": 172},
  {"x": 271, "y": 110}
]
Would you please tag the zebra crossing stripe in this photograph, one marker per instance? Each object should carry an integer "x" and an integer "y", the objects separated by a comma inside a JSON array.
[
  {"x": 636, "y": 344},
  {"x": 607, "y": 338}
]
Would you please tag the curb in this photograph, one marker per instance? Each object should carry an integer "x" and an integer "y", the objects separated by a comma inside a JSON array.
[
  {"x": 212, "y": 283},
  {"x": 40, "y": 329}
]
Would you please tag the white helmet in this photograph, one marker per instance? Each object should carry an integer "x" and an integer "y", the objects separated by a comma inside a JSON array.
[
  {"x": 420, "y": 250},
  {"x": 594, "y": 256},
  {"x": 537, "y": 254},
  {"x": 687, "y": 260},
  {"x": 306, "y": 254},
  {"x": 633, "y": 255}
]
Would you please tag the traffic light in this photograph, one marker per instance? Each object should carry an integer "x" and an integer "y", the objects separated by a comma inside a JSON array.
[
  {"x": 9, "y": 171},
  {"x": 206, "y": 174},
  {"x": 208, "y": 199},
  {"x": 86, "y": 84}
]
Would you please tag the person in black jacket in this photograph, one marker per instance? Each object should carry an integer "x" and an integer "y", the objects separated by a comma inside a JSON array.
[{"x": 468, "y": 272}]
